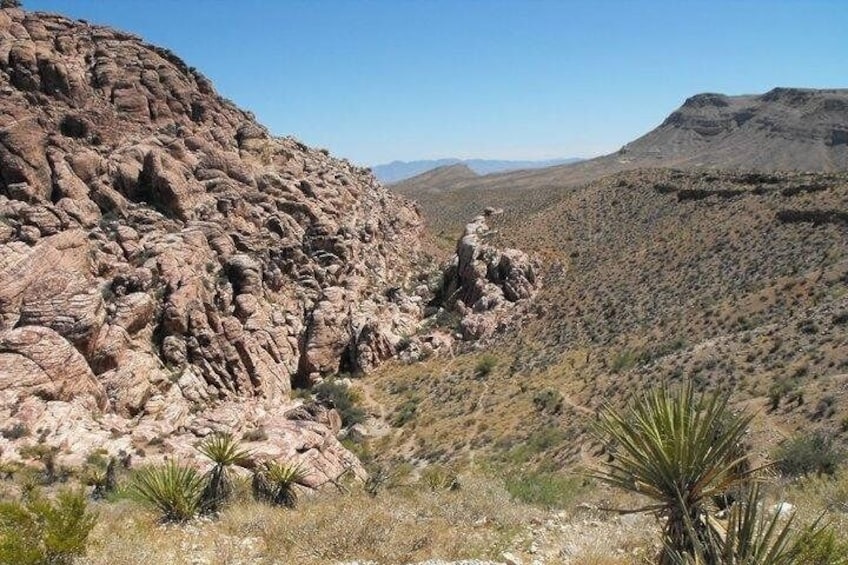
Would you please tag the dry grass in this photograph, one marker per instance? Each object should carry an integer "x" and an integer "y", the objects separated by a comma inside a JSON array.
[{"x": 479, "y": 520}]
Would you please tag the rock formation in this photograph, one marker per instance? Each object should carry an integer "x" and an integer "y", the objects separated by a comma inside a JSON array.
[
  {"x": 484, "y": 284},
  {"x": 169, "y": 268}
]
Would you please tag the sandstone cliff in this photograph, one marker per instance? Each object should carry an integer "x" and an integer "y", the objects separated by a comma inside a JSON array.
[{"x": 167, "y": 267}]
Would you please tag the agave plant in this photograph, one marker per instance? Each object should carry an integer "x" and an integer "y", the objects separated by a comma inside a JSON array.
[
  {"x": 174, "y": 490},
  {"x": 224, "y": 451},
  {"x": 276, "y": 483},
  {"x": 681, "y": 450}
]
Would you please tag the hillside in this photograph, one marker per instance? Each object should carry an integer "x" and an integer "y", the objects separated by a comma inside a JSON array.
[
  {"x": 738, "y": 281},
  {"x": 785, "y": 129}
]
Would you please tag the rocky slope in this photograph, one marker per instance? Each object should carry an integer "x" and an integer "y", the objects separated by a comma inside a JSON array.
[{"x": 167, "y": 267}]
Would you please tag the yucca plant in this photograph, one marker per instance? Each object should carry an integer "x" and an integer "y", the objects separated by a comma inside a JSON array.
[
  {"x": 276, "y": 483},
  {"x": 174, "y": 490},
  {"x": 224, "y": 451},
  {"x": 681, "y": 450},
  {"x": 752, "y": 538}
]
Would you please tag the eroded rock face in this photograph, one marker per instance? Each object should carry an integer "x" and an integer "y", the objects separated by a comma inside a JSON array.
[
  {"x": 161, "y": 254},
  {"x": 485, "y": 284}
]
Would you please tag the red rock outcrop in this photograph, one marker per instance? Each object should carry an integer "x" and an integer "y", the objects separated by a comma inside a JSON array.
[{"x": 161, "y": 253}]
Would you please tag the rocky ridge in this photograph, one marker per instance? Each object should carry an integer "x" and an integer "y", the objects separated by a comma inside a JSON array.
[{"x": 167, "y": 267}]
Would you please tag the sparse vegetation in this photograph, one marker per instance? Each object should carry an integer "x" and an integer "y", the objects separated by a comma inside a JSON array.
[
  {"x": 39, "y": 531},
  {"x": 342, "y": 398},
  {"x": 809, "y": 453}
]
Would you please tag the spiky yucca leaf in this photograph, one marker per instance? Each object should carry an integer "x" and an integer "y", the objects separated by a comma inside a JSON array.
[
  {"x": 223, "y": 449},
  {"x": 679, "y": 449},
  {"x": 276, "y": 483},
  {"x": 174, "y": 490}
]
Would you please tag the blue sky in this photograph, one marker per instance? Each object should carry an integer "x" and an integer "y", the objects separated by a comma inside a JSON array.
[{"x": 375, "y": 81}]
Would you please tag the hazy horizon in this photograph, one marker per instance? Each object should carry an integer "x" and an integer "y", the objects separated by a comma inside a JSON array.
[{"x": 379, "y": 81}]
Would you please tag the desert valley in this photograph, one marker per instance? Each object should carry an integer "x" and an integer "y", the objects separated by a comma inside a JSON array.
[{"x": 220, "y": 346}]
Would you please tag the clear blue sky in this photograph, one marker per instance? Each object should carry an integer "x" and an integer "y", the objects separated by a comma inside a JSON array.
[{"x": 376, "y": 81}]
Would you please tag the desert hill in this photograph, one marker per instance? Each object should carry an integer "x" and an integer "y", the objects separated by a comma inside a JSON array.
[
  {"x": 167, "y": 267},
  {"x": 785, "y": 129}
]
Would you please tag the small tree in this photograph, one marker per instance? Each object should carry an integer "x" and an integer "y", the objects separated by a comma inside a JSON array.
[
  {"x": 4, "y": 4},
  {"x": 224, "y": 451}
]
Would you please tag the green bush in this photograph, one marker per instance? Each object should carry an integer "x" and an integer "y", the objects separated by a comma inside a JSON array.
[
  {"x": 544, "y": 489},
  {"x": 175, "y": 491},
  {"x": 342, "y": 398},
  {"x": 224, "y": 451},
  {"x": 809, "y": 453},
  {"x": 39, "y": 531},
  {"x": 485, "y": 365},
  {"x": 405, "y": 413},
  {"x": 681, "y": 450}
]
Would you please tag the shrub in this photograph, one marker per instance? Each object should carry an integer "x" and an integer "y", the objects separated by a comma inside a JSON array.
[
  {"x": 544, "y": 489},
  {"x": 485, "y": 365},
  {"x": 809, "y": 453},
  {"x": 39, "y": 531},
  {"x": 437, "y": 478},
  {"x": 276, "y": 483},
  {"x": 15, "y": 431},
  {"x": 624, "y": 360},
  {"x": 342, "y": 399},
  {"x": 405, "y": 412},
  {"x": 175, "y": 491},
  {"x": 548, "y": 400}
]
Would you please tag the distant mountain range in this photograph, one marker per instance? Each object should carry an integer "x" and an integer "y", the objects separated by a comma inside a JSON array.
[{"x": 399, "y": 170}]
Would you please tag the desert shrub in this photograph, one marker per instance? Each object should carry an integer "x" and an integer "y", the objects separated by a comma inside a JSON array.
[
  {"x": 37, "y": 530},
  {"x": 15, "y": 431},
  {"x": 544, "y": 489},
  {"x": 623, "y": 360},
  {"x": 343, "y": 399},
  {"x": 548, "y": 400},
  {"x": 46, "y": 455},
  {"x": 276, "y": 483},
  {"x": 256, "y": 434},
  {"x": 174, "y": 490},
  {"x": 103, "y": 478},
  {"x": 405, "y": 412},
  {"x": 439, "y": 477},
  {"x": 485, "y": 365},
  {"x": 808, "y": 453}
]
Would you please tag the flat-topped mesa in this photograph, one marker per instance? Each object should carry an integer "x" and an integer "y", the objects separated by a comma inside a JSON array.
[{"x": 185, "y": 256}]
